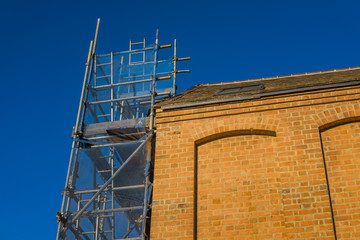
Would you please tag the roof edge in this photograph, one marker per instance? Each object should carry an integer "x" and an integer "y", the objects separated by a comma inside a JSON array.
[
  {"x": 260, "y": 95},
  {"x": 284, "y": 76}
]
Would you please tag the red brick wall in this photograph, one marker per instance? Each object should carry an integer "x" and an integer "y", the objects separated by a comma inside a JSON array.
[
  {"x": 238, "y": 189},
  {"x": 275, "y": 186},
  {"x": 342, "y": 157}
]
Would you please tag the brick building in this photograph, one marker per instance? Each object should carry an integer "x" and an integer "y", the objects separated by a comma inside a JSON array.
[{"x": 273, "y": 158}]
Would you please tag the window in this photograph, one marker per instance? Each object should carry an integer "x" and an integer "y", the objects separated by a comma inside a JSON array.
[{"x": 244, "y": 88}]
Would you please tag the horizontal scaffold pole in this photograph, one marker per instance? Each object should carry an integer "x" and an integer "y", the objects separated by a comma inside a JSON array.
[
  {"x": 124, "y": 52},
  {"x": 113, "y": 189},
  {"x": 122, "y": 84},
  {"x": 127, "y": 98},
  {"x": 130, "y": 82},
  {"x": 125, "y": 209}
]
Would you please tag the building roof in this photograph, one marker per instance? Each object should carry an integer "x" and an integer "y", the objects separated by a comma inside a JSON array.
[{"x": 256, "y": 88}]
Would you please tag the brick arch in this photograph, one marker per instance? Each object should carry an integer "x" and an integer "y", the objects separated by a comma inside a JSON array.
[
  {"x": 233, "y": 133},
  {"x": 339, "y": 122},
  {"x": 235, "y": 124},
  {"x": 217, "y": 133},
  {"x": 335, "y": 115},
  {"x": 340, "y": 150}
]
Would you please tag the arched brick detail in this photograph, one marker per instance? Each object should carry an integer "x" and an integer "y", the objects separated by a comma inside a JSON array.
[
  {"x": 234, "y": 124},
  {"x": 339, "y": 122},
  {"x": 340, "y": 148},
  {"x": 336, "y": 114},
  {"x": 234, "y": 133},
  {"x": 219, "y": 133}
]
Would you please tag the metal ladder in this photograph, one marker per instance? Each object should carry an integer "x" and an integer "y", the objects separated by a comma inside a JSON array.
[
  {"x": 106, "y": 75},
  {"x": 93, "y": 210},
  {"x": 141, "y": 61}
]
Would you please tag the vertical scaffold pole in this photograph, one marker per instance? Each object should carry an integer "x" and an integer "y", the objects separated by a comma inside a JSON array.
[
  {"x": 147, "y": 187},
  {"x": 110, "y": 198},
  {"x": 112, "y": 89},
  {"x": 156, "y": 49},
  {"x": 74, "y": 147},
  {"x": 174, "y": 70},
  {"x": 85, "y": 85},
  {"x": 112, "y": 194},
  {"x": 86, "y": 78}
]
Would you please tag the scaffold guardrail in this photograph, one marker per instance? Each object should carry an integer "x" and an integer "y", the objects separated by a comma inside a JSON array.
[{"x": 108, "y": 186}]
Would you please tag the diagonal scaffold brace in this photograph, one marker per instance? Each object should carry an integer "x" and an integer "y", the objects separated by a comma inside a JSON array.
[
  {"x": 108, "y": 187},
  {"x": 78, "y": 214}
]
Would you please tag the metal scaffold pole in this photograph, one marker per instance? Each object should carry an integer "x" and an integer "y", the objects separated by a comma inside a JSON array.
[
  {"x": 108, "y": 186},
  {"x": 77, "y": 124},
  {"x": 153, "y": 93}
]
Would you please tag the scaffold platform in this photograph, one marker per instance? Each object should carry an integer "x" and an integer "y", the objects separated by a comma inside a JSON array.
[{"x": 108, "y": 187}]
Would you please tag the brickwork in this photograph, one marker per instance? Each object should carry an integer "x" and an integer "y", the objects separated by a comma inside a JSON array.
[
  {"x": 238, "y": 189},
  {"x": 250, "y": 186},
  {"x": 342, "y": 157}
]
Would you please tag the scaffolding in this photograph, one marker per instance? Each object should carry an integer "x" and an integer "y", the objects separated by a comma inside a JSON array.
[{"x": 108, "y": 187}]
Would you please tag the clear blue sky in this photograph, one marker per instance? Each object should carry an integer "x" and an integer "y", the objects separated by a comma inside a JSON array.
[{"x": 44, "y": 44}]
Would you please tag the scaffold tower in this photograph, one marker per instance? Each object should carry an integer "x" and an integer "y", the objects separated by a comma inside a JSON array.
[{"x": 108, "y": 187}]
